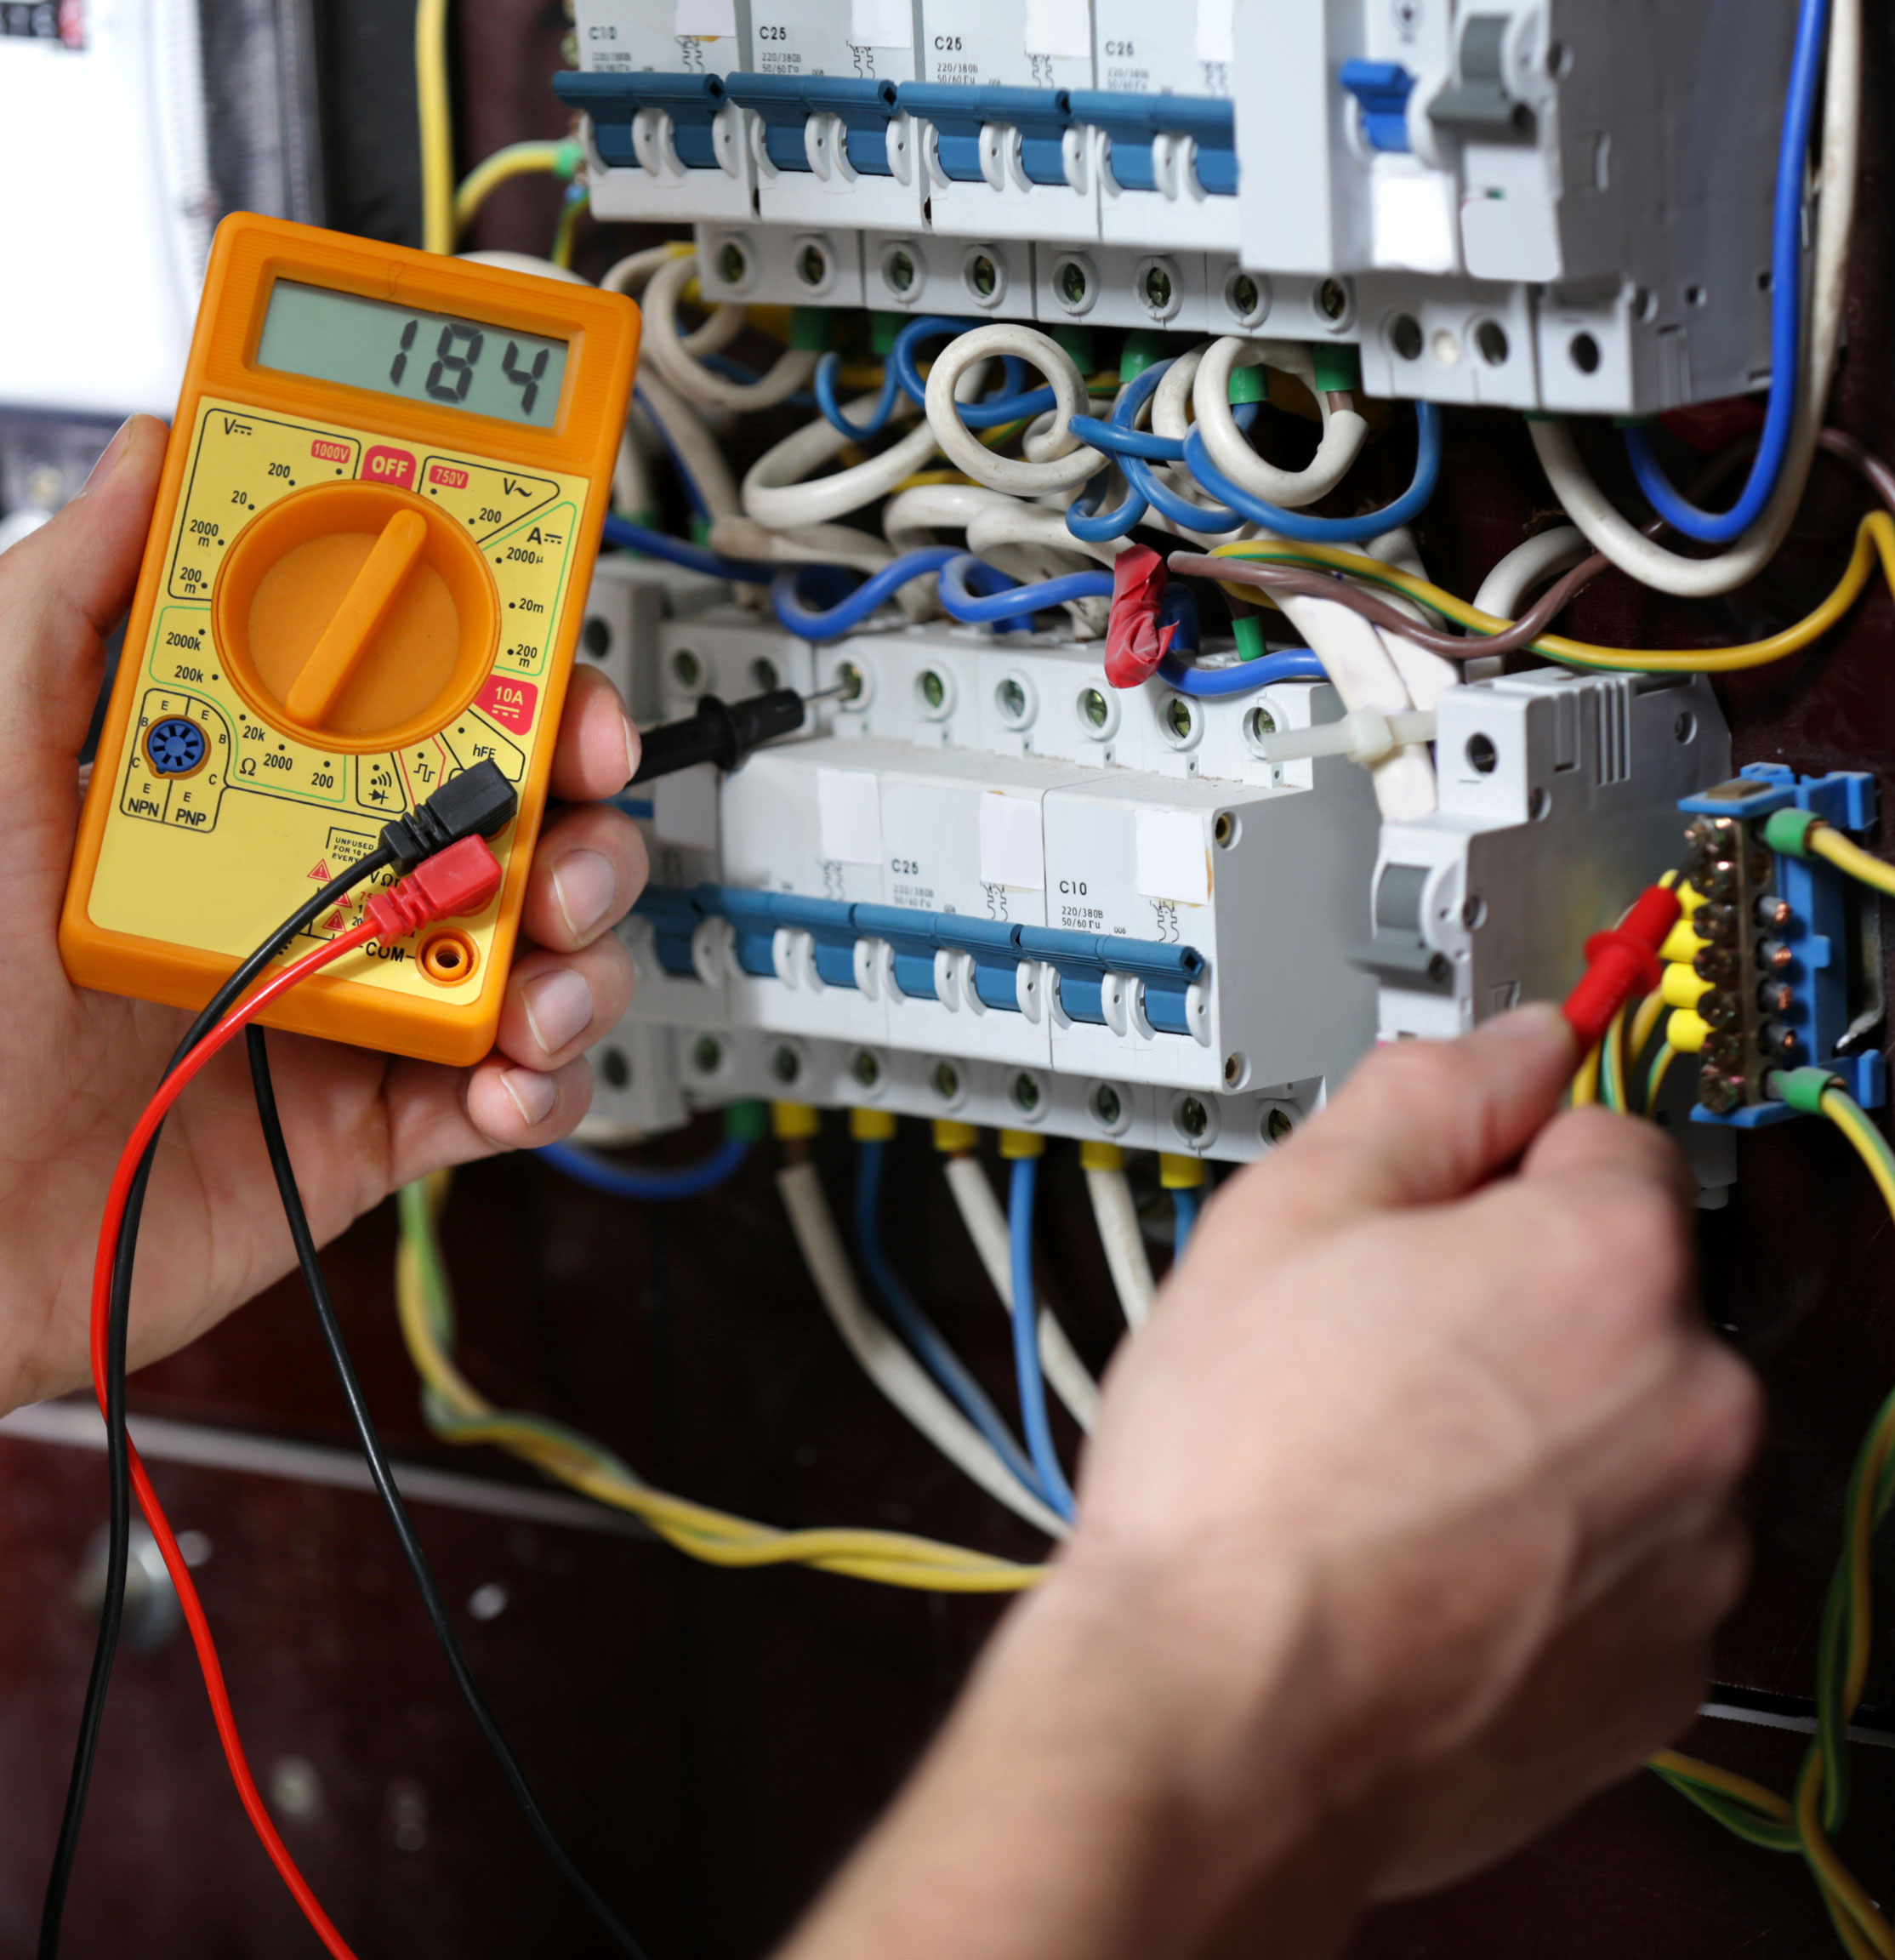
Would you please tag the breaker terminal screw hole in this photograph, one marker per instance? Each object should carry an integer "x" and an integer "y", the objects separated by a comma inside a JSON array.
[
  {"x": 1259, "y": 722},
  {"x": 1094, "y": 708},
  {"x": 615, "y": 1067},
  {"x": 983, "y": 276},
  {"x": 1025, "y": 1093},
  {"x": 1073, "y": 282},
  {"x": 687, "y": 670},
  {"x": 1685, "y": 728},
  {"x": 1490, "y": 337},
  {"x": 1583, "y": 350},
  {"x": 1245, "y": 297},
  {"x": 1483, "y": 757},
  {"x": 786, "y": 1065},
  {"x": 848, "y": 680},
  {"x": 947, "y": 1081},
  {"x": 731, "y": 264},
  {"x": 1010, "y": 697},
  {"x": 707, "y": 1054},
  {"x": 764, "y": 676},
  {"x": 866, "y": 1068},
  {"x": 1277, "y": 1126},
  {"x": 596, "y": 637},
  {"x": 1156, "y": 286},
  {"x": 1178, "y": 717},
  {"x": 1404, "y": 336},
  {"x": 1105, "y": 1105},
  {"x": 1192, "y": 1118},
  {"x": 900, "y": 271},
  {"x": 813, "y": 265},
  {"x": 932, "y": 689},
  {"x": 1332, "y": 299}
]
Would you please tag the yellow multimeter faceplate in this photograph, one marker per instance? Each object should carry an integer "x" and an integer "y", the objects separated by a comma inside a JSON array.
[{"x": 366, "y": 571}]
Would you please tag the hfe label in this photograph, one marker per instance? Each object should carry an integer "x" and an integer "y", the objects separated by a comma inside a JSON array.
[
  {"x": 510, "y": 702},
  {"x": 385, "y": 465}
]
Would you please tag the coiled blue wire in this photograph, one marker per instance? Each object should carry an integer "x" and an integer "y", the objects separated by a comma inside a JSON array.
[
  {"x": 1304, "y": 530},
  {"x": 826, "y": 370},
  {"x": 1184, "y": 1216},
  {"x": 1012, "y": 600},
  {"x": 1025, "y": 1338},
  {"x": 989, "y": 415},
  {"x": 649, "y": 1184},
  {"x": 623, "y": 535},
  {"x": 1136, "y": 450},
  {"x": 1218, "y": 683},
  {"x": 1786, "y": 319},
  {"x": 849, "y": 612},
  {"x": 930, "y": 1346}
]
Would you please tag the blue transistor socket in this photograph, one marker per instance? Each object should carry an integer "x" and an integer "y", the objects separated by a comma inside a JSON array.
[{"x": 1816, "y": 933}]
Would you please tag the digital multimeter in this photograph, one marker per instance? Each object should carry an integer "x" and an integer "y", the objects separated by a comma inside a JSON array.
[{"x": 365, "y": 572}]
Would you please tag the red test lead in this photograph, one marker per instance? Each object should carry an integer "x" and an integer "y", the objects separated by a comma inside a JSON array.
[{"x": 1620, "y": 963}]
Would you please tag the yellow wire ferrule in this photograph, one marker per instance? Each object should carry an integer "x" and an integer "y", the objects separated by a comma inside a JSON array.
[
  {"x": 955, "y": 1139},
  {"x": 1690, "y": 897},
  {"x": 795, "y": 1122},
  {"x": 1178, "y": 1172},
  {"x": 1097, "y": 1156},
  {"x": 1687, "y": 1032},
  {"x": 1022, "y": 1144},
  {"x": 872, "y": 1125},
  {"x": 1683, "y": 986}
]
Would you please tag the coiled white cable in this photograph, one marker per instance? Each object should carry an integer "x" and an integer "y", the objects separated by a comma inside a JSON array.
[
  {"x": 713, "y": 334},
  {"x": 1123, "y": 1241},
  {"x": 1058, "y": 460},
  {"x": 741, "y": 537},
  {"x": 1540, "y": 558},
  {"x": 911, "y": 517},
  {"x": 663, "y": 349},
  {"x": 1621, "y": 541},
  {"x": 987, "y": 1226},
  {"x": 775, "y": 493},
  {"x": 684, "y": 428},
  {"x": 1344, "y": 431},
  {"x": 1012, "y": 522},
  {"x": 886, "y": 1362}
]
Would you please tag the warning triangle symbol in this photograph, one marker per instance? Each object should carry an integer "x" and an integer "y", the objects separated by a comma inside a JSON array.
[
  {"x": 322, "y": 871},
  {"x": 334, "y": 922}
]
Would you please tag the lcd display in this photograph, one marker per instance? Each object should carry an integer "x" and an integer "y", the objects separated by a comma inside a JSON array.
[{"x": 468, "y": 364}]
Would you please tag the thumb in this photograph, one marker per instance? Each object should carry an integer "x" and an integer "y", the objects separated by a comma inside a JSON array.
[
  {"x": 1424, "y": 1122},
  {"x": 63, "y": 589}
]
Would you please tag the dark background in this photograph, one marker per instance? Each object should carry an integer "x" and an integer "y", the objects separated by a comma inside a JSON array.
[{"x": 712, "y": 1743}]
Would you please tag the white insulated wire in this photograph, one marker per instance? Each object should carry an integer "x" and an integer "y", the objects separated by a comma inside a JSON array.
[
  {"x": 663, "y": 349},
  {"x": 630, "y": 276},
  {"x": 703, "y": 456},
  {"x": 987, "y": 1226},
  {"x": 1621, "y": 541},
  {"x": 1061, "y": 462},
  {"x": 1344, "y": 431},
  {"x": 741, "y": 537},
  {"x": 887, "y": 1363},
  {"x": 1123, "y": 1243},
  {"x": 1540, "y": 558}
]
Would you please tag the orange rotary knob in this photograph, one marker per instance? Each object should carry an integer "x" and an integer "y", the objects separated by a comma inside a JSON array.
[{"x": 356, "y": 617}]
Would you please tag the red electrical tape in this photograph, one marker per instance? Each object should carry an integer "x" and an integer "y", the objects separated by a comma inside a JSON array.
[
  {"x": 1620, "y": 963},
  {"x": 1135, "y": 642}
]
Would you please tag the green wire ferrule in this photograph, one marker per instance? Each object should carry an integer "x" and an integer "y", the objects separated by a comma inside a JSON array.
[
  {"x": 1249, "y": 384},
  {"x": 1787, "y": 831},
  {"x": 1248, "y": 628},
  {"x": 748, "y": 1122},
  {"x": 1077, "y": 340},
  {"x": 884, "y": 330},
  {"x": 1802, "y": 1089},
  {"x": 1141, "y": 349},
  {"x": 700, "y": 531},
  {"x": 1338, "y": 365},
  {"x": 809, "y": 329},
  {"x": 566, "y": 160}
]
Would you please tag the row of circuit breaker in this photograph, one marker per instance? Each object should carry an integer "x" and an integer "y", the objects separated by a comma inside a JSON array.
[
  {"x": 987, "y": 885},
  {"x": 1528, "y": 204}
]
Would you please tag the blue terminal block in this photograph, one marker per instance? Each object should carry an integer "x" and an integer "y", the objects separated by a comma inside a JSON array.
[
  {"x": 995, "y": 947},
  {"x": 1812, "y": 931},
  {"x": 611, "y": 101},
  {"x": 1130, "y": 123},
  {"x": 1042, "y": 115}
]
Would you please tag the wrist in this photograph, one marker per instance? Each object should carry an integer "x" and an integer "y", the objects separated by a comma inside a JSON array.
[{"x": 1113, "y": 1784}]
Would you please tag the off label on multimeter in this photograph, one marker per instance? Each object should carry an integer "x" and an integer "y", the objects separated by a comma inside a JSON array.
[{"x": 377, "y": 524}]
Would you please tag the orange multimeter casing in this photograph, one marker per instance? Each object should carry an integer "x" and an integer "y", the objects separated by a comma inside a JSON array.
[{"x": 353, "y": 588}]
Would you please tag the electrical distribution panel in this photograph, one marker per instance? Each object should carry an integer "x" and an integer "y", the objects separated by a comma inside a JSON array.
[{"x": 1527, "y": 203}]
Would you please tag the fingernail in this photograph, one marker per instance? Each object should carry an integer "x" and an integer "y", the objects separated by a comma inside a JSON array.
[
  {"x": 108, "y": 460},
  {"x": 533, "y": 1095},
  {"x": 559, "y": 1007},
  {"x": 1535, "y": 1020},
  {"x": 586, "y": 887},
  {"x": 633, "y": 747}
]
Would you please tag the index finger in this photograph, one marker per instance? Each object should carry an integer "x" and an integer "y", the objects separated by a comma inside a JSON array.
[{"x": 1422, "y": 1122}]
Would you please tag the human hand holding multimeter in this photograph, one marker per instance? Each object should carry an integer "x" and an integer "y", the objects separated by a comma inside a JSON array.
[{"x": 364, "y": 575}]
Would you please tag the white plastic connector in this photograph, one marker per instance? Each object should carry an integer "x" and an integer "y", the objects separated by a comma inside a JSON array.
[{"x": 1366, "y": 736}]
